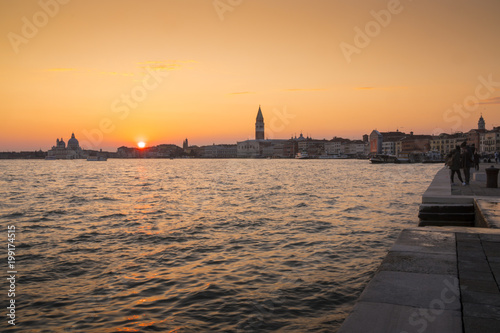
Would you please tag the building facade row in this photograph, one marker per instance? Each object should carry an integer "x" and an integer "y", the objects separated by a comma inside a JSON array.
[{"x": 401, "y": 144}]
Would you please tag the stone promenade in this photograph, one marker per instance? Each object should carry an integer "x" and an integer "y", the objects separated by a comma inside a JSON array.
[
  {"x": 477, "y": 184},
  {"x": 434, "y": 279},
  {"x": 438, "y": 279}
]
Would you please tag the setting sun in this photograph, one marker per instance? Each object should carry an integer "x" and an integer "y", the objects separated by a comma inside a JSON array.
[{"x": 141, "y": 144}]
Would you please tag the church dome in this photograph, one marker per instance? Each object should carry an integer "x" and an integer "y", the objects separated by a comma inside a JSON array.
[{"x": 73, "y": 142}]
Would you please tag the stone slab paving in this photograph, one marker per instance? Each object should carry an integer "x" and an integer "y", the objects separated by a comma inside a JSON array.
[
  {"x": 441, "y": 190},
  {"x": 477, "y": 186},
  {"x": 434, "y": 280},
  {"x": 439, "y": 279},
  {"x": 479, "y": 281},
  {"x": 488, "y": 210}
]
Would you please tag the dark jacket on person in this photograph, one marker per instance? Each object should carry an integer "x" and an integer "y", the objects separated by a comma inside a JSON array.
[
  {"x": 466, "y": 158},
  {"x": 455, "y": 160}
]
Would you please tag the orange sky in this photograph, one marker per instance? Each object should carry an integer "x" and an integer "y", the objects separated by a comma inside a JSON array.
[{"x": 119, "y": 71}]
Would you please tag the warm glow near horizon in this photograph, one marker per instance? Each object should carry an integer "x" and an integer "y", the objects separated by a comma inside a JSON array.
[{"x": 121, "y": 71}]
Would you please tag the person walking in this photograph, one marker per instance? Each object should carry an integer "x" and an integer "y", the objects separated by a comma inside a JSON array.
[
  {"x": 476, "y": 161},
  {"x": 454, "y": 164},
  {"x": 466, "y": 162}
]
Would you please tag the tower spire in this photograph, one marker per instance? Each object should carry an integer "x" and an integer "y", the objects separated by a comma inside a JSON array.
[
  {"x": 481, "y": 124},
  {"x": 259, "y": 126}
]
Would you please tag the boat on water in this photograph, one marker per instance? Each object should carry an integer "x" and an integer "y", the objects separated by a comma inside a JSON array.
[
  {"x": 302, "y": 155},
  {"x": 97, "y": 158},
  {"x": 433, "y": 157},
  {"x": 50, "y": 158},
  {"x": 379, "y": 159}
]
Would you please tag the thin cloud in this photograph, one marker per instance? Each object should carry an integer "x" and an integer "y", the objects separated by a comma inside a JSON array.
[
  {"x": 88, "y": 71},
  {"x": 62, "y": 69},
  {"x": 117, "y": 73},
  {"x": 381, "y": 88},
  {"x": 493, "y": 100},
  {"x": 166, "y": 65},
  {"x": 306, "y": 89},
  {"x": 242, "y": 93}
]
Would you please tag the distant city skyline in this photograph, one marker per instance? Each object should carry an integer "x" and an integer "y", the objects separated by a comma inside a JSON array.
[
  {"x": 119, "y": 72},
  {"x": 260, "y": 134}
]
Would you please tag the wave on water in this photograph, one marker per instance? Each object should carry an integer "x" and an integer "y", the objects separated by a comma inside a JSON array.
[{"x": 201, "y": 245}]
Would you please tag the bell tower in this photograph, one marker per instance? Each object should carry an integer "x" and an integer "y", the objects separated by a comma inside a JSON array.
[
  {"x": 259, "y": 126},
  {"x": 481, "y": 124}
]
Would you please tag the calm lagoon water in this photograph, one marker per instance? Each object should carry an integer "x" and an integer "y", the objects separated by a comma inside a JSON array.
[{"x": 200, "y": 245}]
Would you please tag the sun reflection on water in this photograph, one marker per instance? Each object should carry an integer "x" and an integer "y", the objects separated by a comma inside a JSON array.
[{"x": 203, "y": 245}]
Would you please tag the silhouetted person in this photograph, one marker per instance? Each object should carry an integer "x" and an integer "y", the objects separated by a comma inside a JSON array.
[
  {"x": 497, "y": 157},
  {"x": 466, "y": 162},
  {"x": 454, "y": 164},
  {"x": 476, "y": 161}
]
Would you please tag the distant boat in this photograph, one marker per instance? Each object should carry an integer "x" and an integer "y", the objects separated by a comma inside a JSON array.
[
  {"x": 302, "y": 155},
  {"x": 97, "y": 158},
  {"x": 379, "y": 159},
  {"x": 433, "y": 157},
  {"x": 50, "y": 158}
]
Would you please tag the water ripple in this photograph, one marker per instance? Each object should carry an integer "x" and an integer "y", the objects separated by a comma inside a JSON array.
[{"x": 201, "y": 245}]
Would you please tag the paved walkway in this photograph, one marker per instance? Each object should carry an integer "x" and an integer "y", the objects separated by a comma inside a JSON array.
[
  {"x": 434, "y": 279},
  {"x": 478, "y": 258},
  {"x": 439, "y": 279},
  {"x": 476, "y": 187}
]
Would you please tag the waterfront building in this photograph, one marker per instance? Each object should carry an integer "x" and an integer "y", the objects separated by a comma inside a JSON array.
[
  {"x": 484, "y": 141},
  {"x": 389, "y": 148},
  {"x": 378, "y": 138},
  {"x": 219, "y": 151},
  {"x": 313, "y": 148},
  {"x": 277, "y": 148},
  {"x": 356, "y": 148},
  {"x": 290, "y": 148},
  {"x": 126, "y": 152},
  {"x": 167, "y": 150},
  {"x": 416, "y": 148},
  {"x": 416, "y": 143},
  {"x": 345, "y": 147},
  {"x": 474, "y": 138},
  {"x": 336, "y": 146},
  {"x": 491, "y": 142},
  {"x": 445, "y": 143},
  {"x": 61, "y": 151},
  {"x": 39, "y": 154},
  {"x": 160, "y": 151},
  {"x": 274, "y": 148},
  {"x": 375, "y": 142},
  {"x": 249, "y": 148},
  {"x": 398, "y": 147},
  {"x": 194, "y": 151}
]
